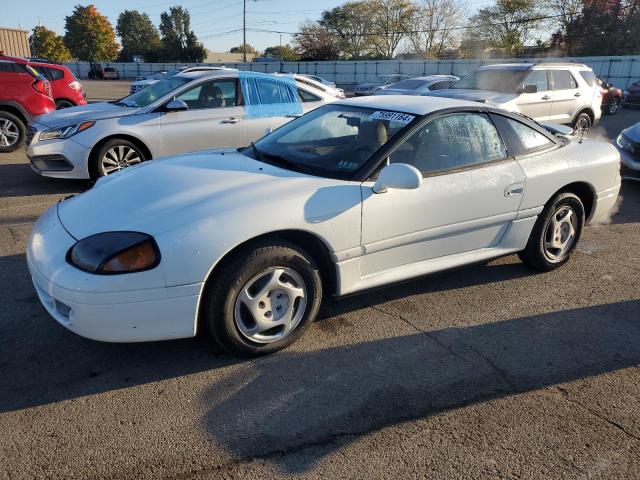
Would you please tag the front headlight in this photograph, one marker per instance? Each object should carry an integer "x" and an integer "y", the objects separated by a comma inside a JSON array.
[
  {"x": 115, "y": 253},
  {"x": 623, "y": 143},
  {"x": 65, "y": 132}
]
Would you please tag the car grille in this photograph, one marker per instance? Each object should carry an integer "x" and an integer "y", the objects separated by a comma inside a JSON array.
[{"x": 31, "y": 132}]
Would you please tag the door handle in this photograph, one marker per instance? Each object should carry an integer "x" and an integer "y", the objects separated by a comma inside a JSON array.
[
  {"x": 546, "y": 97},
  {"x": 577, "y": 94},
  {"x": 514, "y": 190},
  {"x": 230, "y": 120}
]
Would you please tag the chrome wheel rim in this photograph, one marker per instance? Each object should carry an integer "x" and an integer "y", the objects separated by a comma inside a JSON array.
[
  {"x": 119, "y": 157},
  {"x": 560, "y": 234},
  {"x": 270, "y": 305},
  {"x": 583, "y": 125},
  {"x": 613, "y": 106},
  {"x": 9, "y": 133}
]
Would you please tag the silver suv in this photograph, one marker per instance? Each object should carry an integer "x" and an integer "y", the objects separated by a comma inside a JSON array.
[{"x": 564, "y": 93}]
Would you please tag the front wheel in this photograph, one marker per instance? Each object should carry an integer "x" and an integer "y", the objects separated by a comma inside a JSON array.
[
  {"x": 555, "y": 233},
  {"x": 115, "y": 155},
  {"x": 582, "y": 124},
  {"x": 12, "y": 132},
  {"x": 263, "y": 299}
]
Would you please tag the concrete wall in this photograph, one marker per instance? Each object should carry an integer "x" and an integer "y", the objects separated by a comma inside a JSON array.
[
  {"x": 15, "y": 42},
  {"x": 621, "y": 71}
]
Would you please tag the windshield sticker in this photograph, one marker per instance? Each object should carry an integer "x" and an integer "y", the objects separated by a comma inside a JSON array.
[
  {"x": 345, "y": 165},
  {"x": 392, "y": 116}
]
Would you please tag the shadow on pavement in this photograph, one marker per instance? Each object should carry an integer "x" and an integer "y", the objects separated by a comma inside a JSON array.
[
  {"x": 18, "y": 180},
  {"x": 295, "y": 400}
]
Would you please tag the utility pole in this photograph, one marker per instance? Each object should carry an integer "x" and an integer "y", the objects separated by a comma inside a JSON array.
[{"x": 244, "y": 31}]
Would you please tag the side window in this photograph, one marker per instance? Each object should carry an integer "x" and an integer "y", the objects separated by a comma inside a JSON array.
[
  {"x": 520, "y": 138},
  {"x": 56, "y": 74},
  {"x": 539, "y": 79},
  {"x": 588, "y": 77},
  {"x": 307, "y": 96},
  {"x": 451, "y": 142},
  {"x": 212, "y": 94},
  {"x": 11, "y": 67},
  {"x": 562, "y": 80},
  {"x": 440, "y": 85},
  {"x": 274, "y": 92}
]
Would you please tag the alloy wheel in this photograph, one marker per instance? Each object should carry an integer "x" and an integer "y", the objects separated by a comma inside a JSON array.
[
  {"x": 613, "y": 106},
  {"x": 119, "y": 157},
  {"x": 270, "y": 305},
  {"x": 560, "y": 234},
  {"x": 9, "y": 133},
  {"x": 582, "y": 127}
]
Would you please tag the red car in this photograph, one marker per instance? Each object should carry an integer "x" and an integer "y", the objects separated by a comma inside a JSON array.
[
  {"x": 611, "y": 97},
  {"x": 24, "y": 93},
  {"x": 66, "y": 88}
]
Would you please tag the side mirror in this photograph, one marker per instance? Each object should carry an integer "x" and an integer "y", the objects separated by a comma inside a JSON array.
[
  {"x": 176, "y": 106},
  {"x": 530, "y": 89},
  {"x": 398, "y": 175}
]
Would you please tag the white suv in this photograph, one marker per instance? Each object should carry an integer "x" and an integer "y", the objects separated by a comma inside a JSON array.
[{"x": 564, "y": 93}]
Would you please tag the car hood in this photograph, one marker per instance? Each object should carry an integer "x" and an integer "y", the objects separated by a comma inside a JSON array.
[
  {"x": 475, "y": 95},
  {"x": 84, "y": 113},
  {"x": 633, "y": 132},
  {"x": 158, "y": 196}
]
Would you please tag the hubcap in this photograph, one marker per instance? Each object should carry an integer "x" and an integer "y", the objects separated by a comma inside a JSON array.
[
  {"x": 9, "y": 133},
  {"x": 560, "y": 234},
  {"x": 270, "y": 305},
  {"x": 119, "y": 157}
]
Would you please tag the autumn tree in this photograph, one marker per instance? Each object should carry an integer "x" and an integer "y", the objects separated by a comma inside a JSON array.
[
  {"x": 391, "y": 21},
  {"x": 47, "y": 44},
  {"x": 179, "y": 42},
  {"x": 350, "y": 22},
  {"x": 314, "y": 42},
  {"x": 139, "y": 36},
  {"x": 89, "y": 35},
  {"x": 286, "y": 53}
]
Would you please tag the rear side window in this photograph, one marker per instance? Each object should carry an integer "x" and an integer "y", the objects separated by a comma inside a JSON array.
[
  {"x": 51, "y": 73},
  {"x": 263, "y": 91},
  {"x": 11, "y": 67},
  {"x": 441, "y": 85},
  {"x": 520, "y": 138},
  {"x": 308, "y": 96},
  {"x": 589, "y": 77},
  {"x": 562, "y": 80},
  {"x": 108, "y": 69}
]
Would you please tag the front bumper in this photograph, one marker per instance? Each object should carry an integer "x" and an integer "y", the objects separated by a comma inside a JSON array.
[
  {"x": 107, "y": 308},
  {"x": 56, "y": 158},
  {"x": 630, "y": 164}
]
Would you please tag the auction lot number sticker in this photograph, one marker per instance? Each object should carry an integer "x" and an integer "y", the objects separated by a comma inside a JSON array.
[{"x": 399, "y": 117}]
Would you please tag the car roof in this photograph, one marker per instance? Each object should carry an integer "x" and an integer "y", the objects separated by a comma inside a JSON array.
[
  {"x": 407, "y": 103},
  {"x": 530, "y": 66},
  {"x": 434, "y": 78}
]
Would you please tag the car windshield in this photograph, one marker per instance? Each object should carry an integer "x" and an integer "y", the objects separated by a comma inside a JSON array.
[
  {"x": 503, "y": 80},
  {"x": 409, "y": 84},
  {"x": 333, "y": 140},
  {"x": 153, "y": 92}
]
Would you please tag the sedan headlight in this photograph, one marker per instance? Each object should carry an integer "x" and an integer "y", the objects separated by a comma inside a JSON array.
[
  {"x": 65, "y": 132},
  {"x": 623, "y": 143},
  {"x": 115, "y": 253}
]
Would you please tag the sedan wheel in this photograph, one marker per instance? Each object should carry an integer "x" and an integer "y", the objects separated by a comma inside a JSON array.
[
  {"x": 115, "y": 155},
  {"x": 12, "y": 132},
  {"x": 262, "y": 298},
  {"x": 560, "y": 233}
]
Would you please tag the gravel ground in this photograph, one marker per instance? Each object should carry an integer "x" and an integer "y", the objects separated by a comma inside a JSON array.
[{"x": 490, "y": 371}]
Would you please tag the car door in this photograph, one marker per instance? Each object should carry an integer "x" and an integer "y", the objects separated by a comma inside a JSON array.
[
  {"x": 213, "y": 119},
  {"x": 536, "y": 105},
  {"x": 566, "y": 96},
  {"x": 470, "y": 194}
]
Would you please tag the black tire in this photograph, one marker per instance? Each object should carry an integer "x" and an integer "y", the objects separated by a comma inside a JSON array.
[
  {"x": 218, "y": 312},
  {"x": 10, "y": 124},
  {"x": 613, "y": 107},
  {"x": 60, "y": 104},
  {"x": 96, "y": 169},
  {"x": 582, "y": 122},
  {"x": 535, "y": 255}
]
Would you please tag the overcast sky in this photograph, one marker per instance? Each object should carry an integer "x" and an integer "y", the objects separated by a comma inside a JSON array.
[{"x": 209, "y": 19}]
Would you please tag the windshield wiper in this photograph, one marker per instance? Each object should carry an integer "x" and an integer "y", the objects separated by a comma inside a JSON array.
[
  {"x": 288, "y": 164},
  {"x": 120, "y": 104}
]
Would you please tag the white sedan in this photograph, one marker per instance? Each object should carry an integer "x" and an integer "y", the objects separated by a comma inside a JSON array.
[{"x": 354, "y": 195}]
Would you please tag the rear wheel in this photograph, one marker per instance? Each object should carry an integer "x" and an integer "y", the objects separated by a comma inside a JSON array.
[
  {"x": 555, "y": 233},
  {"x": 263, "y": 299},
  {"x": 12, "y": 132},
  {"x": 613, "y": 107},
  {"x": 115, "y": 155},
  {"x": 582, "y": 124}
]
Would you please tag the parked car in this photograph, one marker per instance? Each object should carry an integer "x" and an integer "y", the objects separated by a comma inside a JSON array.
[
  {"x": 141, "y": 83},
  {"x": 611, "y": 97},
  {"x": 628, "y": 143},
  {"x": 354, "y": 195},
  {"x": 97, "y": 71},
  {"x": 312, "y": 87},
  {"x": 419, "y": 85},
  {"x": 66, "y": 89},
  {"x": 631, "y": 96},
  {"x": 564, "y": 93},
  {"x": 187, "y": 112},
  {"x": 24, "y": 93},
  {"x": 318, "y": 79},
  {"x": 369, "y": 88}
]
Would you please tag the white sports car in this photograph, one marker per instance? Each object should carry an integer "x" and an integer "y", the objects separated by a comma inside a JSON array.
[{"x": 356, "y": 194}]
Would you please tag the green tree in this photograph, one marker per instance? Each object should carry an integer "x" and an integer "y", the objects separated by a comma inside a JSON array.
[
  {"x": 505, "y": 26},
  {"x": 46, "y": 44},
  {"x": 179, "y": 42},
  {"x": 238, "y": 49},
  {"x": 139, "y": 36},
  {"x": 89, "y": 35},
  {"x": 286, "y": 53},
  {"x": 351, "y": 23},
  {"x": 314, "y": 42}
]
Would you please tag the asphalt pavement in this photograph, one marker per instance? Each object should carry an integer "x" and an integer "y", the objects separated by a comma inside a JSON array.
[{"x": 490, "y": 371}]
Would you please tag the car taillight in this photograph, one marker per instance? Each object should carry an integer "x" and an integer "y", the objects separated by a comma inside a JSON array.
[
  {"x": 43, "y": 87},
  {"x": 76, "y": 85}
]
